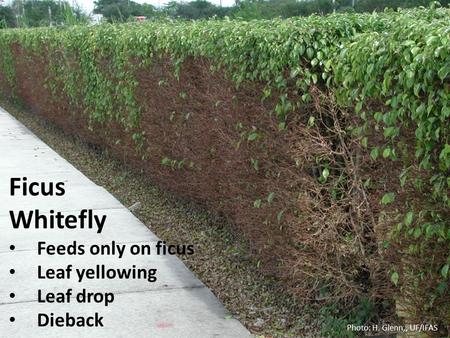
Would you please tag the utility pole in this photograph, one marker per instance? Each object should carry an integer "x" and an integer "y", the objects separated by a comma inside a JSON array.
[{"x": 19, "y": 9}]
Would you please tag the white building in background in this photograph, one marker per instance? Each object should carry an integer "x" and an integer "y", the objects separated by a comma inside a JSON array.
[{"x": 96, "y": 19}]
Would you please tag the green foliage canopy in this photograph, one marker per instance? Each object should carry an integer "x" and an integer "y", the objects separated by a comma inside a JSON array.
[{"x": 7, "y": 18}]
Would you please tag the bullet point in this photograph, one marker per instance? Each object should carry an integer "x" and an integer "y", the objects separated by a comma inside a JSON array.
[
  {"x": 12, "y": 295},
  {"x": 12, "y": 247},
  {"x": 12, "y": 319},
  {"x": 12, "y": 271}
]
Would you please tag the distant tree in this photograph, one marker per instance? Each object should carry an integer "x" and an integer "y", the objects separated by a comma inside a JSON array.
[
  {"x": 197, "y": 9},
  {"x": 171, "y": 8},
  {"x": 148, "y": 11},
  {"x": 249, "y": 9},
  {"x": 74, "y": 15},
  {"x": 122, "y": 10},
  {"x": 34, "y": 13},
  {"x": 42, "y": 13},
  {"x": 200, "y": 9},
  {"x": 113, "y": 10},
  {"x": 267, "y": 9},
  {"x": 7, "y": 18},
  {"x": 380, "y": 5}
]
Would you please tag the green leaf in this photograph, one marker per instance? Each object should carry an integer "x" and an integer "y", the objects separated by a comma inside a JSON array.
[
  {"x": 270, "y": 197},
  {"x": 255, "y": 164},
  {"x": 409, "y": 218},
  {"x": 443, "y": 72},
  {"x": 280, "y": 216},
  {"x": 444, "y": 156},
  {"x": 388, "y": 198},
  {"x": 325, "y": 173},
  {"x": 253, "y": 136},
  {"x": 257, "y": 204},
  {"x": 444, "y": 271},
  {"x": 394, "y": 278},
  {"x": 358, "y": 106},
  {"x": 390, "y": 132},
  {"x": 378, "y": 116},
  {"x": 364, "y": 142},
  {"x": 420, "y": 109},
  {"x": 374, "y": 153},
  {"x": 417, "y": 233}
]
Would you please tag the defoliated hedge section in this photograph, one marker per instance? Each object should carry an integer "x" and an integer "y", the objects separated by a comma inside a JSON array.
[{"x": 324, "y": 139}]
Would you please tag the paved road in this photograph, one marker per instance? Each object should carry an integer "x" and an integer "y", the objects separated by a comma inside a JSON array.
[{"x": 176, "y": 305}]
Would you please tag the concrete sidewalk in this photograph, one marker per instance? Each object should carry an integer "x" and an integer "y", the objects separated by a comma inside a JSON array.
[{"x": 176, "y": 305}]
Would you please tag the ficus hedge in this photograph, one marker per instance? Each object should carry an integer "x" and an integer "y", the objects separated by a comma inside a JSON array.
[{"x": 392, "y": 69}]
